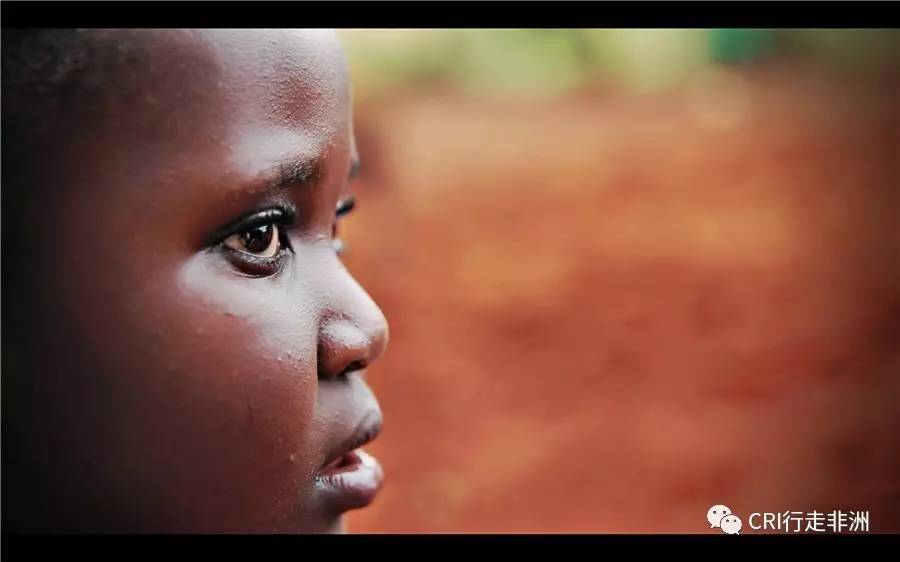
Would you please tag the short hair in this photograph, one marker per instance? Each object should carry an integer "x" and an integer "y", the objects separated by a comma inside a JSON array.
[
  {"x": 58, "y": 82},
  {"x": 44, "y": 74},
  {"x": 51, "y": 81},
  {"x": 41, "y": 69}
]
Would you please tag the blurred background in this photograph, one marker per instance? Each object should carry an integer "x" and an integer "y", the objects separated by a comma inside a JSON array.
[{"x": 630, "y": 274}]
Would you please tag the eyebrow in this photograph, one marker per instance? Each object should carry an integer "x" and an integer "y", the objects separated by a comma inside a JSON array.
[
  {"x": 303, "y": 170},
  {"x": 292, "y": 172}
]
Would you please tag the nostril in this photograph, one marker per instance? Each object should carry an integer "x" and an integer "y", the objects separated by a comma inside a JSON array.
[
  {"x": 346, "y": 344},
  {"x": 342, "y": 374},
  {"x": 354, "y": 366}
]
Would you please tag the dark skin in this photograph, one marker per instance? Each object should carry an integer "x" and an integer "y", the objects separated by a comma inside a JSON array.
[{"x": 191, "y": 348}]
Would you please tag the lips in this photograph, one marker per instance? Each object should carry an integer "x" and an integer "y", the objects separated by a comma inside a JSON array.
[{"x": 351, "y": 478}]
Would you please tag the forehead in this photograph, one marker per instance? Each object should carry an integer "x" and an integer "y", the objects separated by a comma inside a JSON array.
[
  {"x": 274, "y": 67},
  {"x": 224, "y": 101},
  {"x": 296, "y": 78},
  {"x": 285, "y": 93}
]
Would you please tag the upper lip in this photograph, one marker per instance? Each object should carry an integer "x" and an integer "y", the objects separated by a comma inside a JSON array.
[{"x": 365, "y": 432}]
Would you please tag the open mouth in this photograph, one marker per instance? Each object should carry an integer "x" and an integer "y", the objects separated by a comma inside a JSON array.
[
  {"x": 355, "y": 465},
  {"x": 352, "y": 478},
  {"x": 347, "y": 462}
]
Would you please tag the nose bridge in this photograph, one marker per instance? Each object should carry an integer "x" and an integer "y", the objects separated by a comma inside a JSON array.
[{"x": 353, "y": 331}]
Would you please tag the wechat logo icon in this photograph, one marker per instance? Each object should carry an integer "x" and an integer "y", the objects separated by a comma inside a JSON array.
[{"x": 722, "y": 517}]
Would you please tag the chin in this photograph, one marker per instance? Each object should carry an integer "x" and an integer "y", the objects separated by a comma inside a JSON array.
[
  {"x": 333, "y": 526},
  {"x": 330, "y": 526},
  {"x": 337, "y": 526}
]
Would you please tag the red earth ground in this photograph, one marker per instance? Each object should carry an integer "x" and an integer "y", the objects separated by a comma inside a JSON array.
[{"x": 610, "y": 312}]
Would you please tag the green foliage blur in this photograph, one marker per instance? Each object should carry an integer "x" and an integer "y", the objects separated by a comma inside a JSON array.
[{"x": 548, "y": 62}]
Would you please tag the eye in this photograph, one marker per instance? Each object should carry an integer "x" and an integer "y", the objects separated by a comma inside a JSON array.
[
  {"x": 257, "y": 244},
  {"x": 262, "y": 241},
  {"x": 343, "y": 208}
]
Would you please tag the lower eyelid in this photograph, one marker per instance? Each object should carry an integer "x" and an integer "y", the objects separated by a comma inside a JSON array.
[{"x": 252, "y": 266}]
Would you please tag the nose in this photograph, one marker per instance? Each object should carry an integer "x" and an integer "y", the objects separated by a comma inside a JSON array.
[{"x": 353, "y": 332}]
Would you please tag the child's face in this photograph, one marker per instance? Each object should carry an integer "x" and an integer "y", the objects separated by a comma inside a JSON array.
[{"x": 198, "y": 376}]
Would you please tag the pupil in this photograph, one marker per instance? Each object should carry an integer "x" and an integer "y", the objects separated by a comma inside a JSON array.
[{"x": 257, "y": 240}]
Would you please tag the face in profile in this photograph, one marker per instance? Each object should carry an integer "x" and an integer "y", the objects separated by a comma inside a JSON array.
[{"x": 192, "y": 352}]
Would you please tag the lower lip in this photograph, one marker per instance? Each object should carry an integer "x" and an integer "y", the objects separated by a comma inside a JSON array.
[{"x": 352, "y": 485}]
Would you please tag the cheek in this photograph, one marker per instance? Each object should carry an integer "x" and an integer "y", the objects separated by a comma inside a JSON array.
[
  {"x": 248, "y": 347},
  {"x": 216, "y": 377}
]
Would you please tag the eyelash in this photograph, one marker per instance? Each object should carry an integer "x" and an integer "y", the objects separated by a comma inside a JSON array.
[
  {"x": 279, "y": 219},
  {"x": 344, "y": 207},
  {"x": 253, "y": 265}
]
